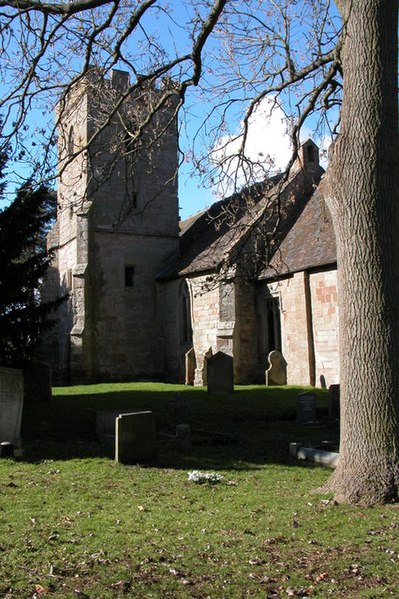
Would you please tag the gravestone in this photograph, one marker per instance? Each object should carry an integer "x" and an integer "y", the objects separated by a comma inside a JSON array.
[
  {"x": 6, "y": 449},
  {"x": 190, "y": 366},
  {"x": 276, "y": 374},
  {"x": 220, "y": 373},
  {"x": 204, "y": 373},
  {"x": 306, "y": 408},
  {"x": 333, "y": 403},
  {"x": 180, "y": 410},
  {"x": 135, "y": 438},
  {"x": 105, "y": 427},
  {"x": 183, "y": 434},
  {"x": 11, "y": 404},
  {"x": 37, "y": 382}
]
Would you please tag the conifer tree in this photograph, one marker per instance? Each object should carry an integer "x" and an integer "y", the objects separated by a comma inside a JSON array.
[{"x": 24, "y": 260}]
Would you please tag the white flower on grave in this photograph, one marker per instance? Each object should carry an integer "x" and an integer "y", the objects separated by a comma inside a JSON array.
[{"x": 201, "y": 478}]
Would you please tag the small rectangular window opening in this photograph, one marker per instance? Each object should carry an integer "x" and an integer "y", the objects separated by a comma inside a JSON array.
[{"x": 129, "y": 276}]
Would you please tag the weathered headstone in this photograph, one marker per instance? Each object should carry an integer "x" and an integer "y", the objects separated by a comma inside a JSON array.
[
  {"x": 135, "y": 438},
  {"x": 105, "y": 427},
  {"x": 180, "y": 410},
  {"x": 204, "y": 374},
  {"x": 190, "y": 366},
  {"x": 11, "y": 404},
  {"x": 333, "y": 403},
  {"x": 276, "y": 374},
  {"x": 220, "y": 373},
  {"x": 323, "y": 383},
  {"x": 183, "y": 434},
  {"x": 37, "y": 382},
  {"x": 306, "y": 408}
]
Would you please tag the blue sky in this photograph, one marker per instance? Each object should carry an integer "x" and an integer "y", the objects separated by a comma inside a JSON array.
[
  {"x": 265, "y": 138},
  {"x": 193, "y": 196}
]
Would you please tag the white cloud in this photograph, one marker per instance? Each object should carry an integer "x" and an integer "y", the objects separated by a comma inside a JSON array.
[{"x": 267, "y": 148}]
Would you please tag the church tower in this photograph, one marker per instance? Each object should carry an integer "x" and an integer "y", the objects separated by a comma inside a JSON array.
[{"x": 117, "y": 223}]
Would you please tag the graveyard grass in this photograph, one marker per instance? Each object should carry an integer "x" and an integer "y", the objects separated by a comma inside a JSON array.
[{"x": 73, "y": 523}]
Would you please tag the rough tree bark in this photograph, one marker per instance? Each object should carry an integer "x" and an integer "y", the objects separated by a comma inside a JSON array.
[{"x": 363, "y": 196}]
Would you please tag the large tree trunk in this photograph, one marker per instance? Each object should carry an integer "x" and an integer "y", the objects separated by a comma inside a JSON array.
[{"x": 363, "y": 195}]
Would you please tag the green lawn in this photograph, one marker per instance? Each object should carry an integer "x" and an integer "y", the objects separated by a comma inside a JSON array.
[{"x": 73, "y": 523}]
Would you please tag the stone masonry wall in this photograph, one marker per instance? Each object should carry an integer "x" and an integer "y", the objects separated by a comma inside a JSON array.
[
  {"x": 294, "y": 334},
  {"x": 115, "y": 210},
  {"x": 69, "y": 238},
  {"x": 135, "y": 225},
  {"x": 325, "y": 325},
  {"x": 169, "y": 316},
  {"x": 298, "y": 342},
  {"x": 205, "y": 317},
  {"x": 246, "y": 346},
  {"x": 128, "y": 337},
  {"x": 224, "y": 319}
]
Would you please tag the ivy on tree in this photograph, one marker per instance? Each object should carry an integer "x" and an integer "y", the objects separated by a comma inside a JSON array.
[{"x": 24, "y": 260}]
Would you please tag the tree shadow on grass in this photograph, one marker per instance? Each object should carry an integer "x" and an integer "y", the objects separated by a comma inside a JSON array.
[{"x": 248, "y": 429}]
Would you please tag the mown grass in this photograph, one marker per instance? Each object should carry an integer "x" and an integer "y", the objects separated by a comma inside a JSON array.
[{"x": 73, "y": 523}]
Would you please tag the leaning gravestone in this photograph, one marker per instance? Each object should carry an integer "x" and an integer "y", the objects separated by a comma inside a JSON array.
[
  {"x": 220, "y": 373},
  {"x": 11, "y": 404},
  {"x": 135, "y": 438},
  {"x": 306, "y": 408},
  {"x": 276, "y": 374}
]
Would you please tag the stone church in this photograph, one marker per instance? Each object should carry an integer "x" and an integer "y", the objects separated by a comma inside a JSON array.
[{"x": 151, "y": 297}]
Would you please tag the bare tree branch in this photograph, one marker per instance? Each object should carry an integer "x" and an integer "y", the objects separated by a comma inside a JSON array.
[{"x": 66, "y": 9}]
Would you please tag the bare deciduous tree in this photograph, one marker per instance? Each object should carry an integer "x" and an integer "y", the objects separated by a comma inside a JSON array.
[{"x": 307, "y": 57}]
